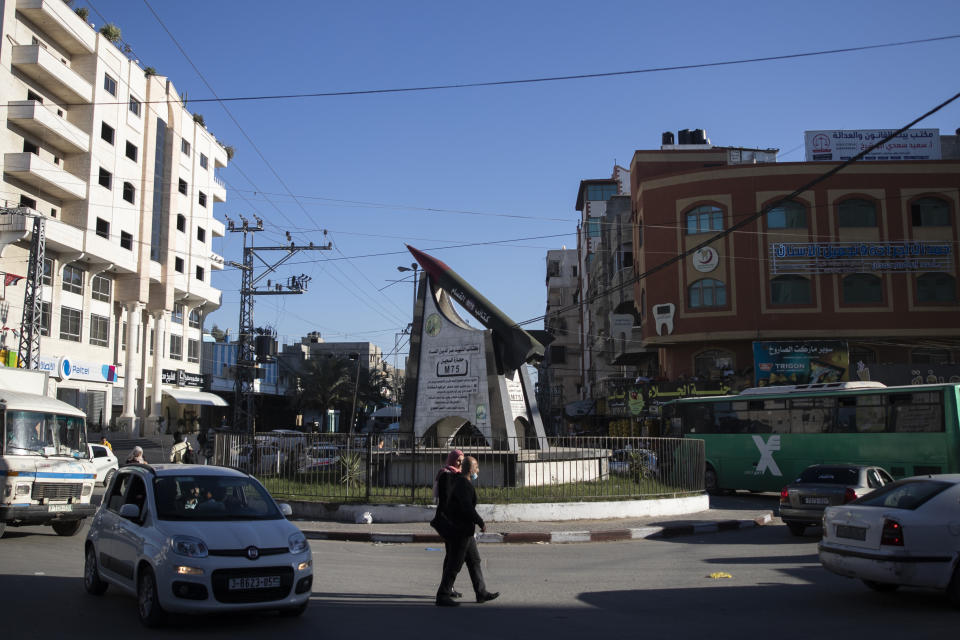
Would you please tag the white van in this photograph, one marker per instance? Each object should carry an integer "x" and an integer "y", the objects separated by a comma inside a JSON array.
[{"x": 45, "y": 466}]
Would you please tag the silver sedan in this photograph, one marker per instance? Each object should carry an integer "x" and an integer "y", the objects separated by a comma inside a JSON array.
[{"x": 822, "y": 485}]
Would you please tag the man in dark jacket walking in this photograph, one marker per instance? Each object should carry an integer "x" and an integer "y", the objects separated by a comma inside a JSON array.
[{"x": 460, "y": 506}]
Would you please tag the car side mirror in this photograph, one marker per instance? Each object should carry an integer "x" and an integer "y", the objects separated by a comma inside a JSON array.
[
  {"x": 285, "y": 509},
  {"x": 130, "y": 512}
]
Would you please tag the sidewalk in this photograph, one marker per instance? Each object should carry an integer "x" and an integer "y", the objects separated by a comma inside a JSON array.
[{"x": 709, "y": 521}]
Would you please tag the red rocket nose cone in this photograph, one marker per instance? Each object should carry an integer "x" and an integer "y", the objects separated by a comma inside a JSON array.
[{"x": 430, "y": 264}]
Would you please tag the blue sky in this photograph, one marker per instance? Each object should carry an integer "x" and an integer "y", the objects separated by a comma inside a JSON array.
[{"x": 497, "y": 168}]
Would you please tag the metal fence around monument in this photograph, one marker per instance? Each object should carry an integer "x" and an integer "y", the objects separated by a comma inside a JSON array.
[{"x": 381, "y": 468}]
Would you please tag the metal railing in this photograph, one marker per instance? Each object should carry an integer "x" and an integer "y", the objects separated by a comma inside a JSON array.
[{"x": 382, "y": 468}]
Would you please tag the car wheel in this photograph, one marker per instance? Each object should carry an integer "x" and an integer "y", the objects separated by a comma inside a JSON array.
[
  {"x": 295, "y": 611},
  {"x": 91, "y": 574},
  {"x": 796, "y": 528},
  {"x": 882, "y": 587},
  {"x": 107, "y": 478},
  {"x": 67, "y": 528},
  {"x": 148, "y": 600}
]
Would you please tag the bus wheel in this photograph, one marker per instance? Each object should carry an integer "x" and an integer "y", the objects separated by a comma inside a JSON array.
[
  {"x": 710, "y": 481},
  {"x": 68, "y": 528}
]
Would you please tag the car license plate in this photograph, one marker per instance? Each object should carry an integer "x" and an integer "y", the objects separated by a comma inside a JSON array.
[
  {"x": 59, "y": 507},
  {"x": 259, "y": 582},
  {"x": 815, "y": 500},
  {"x": 852, "y": 533}
]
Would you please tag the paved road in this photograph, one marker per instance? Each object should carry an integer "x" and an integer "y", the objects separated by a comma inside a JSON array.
[{"x": 632, "y": 589}]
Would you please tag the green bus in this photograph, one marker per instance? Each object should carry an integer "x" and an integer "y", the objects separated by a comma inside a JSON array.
[{"x": 762, "y": 438}]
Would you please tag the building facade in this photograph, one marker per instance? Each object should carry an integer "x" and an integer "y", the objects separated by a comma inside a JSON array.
[
  {"x": 124, "y": 177},
  {"x": 867, "y": 257},
  {"x": 559, "y": 371}
]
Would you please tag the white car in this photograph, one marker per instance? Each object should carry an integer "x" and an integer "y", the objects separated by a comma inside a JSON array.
[
  {"x": 321, "y": 458},
  {"x": 906, "y": 533},
  {"x": 196, "y": 539},
  {"x": 104, "y": 462}
]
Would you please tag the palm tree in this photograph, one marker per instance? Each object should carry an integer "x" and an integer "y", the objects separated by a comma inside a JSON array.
[
  {"x": 372, "y": 387},
  {"x": 324, "y": 383}
]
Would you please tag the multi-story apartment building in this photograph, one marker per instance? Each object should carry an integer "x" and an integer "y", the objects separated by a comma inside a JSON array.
[
  {"x": 124, "y": 177},
  {"x": 867, "y": 257},
  {"x": 559, "y": 371}
]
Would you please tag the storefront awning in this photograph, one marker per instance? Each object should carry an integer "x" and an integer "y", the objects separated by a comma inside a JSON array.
[{"x": 196, "y": 397}]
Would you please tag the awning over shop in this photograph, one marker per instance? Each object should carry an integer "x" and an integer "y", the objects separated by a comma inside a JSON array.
[{"x": 196, "y": 397}]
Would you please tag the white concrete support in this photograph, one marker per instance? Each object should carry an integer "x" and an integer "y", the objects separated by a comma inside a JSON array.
[
  {"x": 130, "y": 373},
  {"x": 159, "y": 333}
]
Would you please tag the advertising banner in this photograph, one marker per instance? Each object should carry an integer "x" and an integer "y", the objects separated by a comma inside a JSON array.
[
  {"x": 840, "y": 145},
  {"x": 859, "y": 257},
  {"x": 802, "y": 362}
]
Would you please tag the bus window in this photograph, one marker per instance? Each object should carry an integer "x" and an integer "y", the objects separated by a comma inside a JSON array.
[
  {"x": 810, "y": 415},
  {"x": 698, "y": 418},
  {"x": 871, "y": 415},
  {"x": 846, "y": 421},
  {"x": 915, "y": 413}
]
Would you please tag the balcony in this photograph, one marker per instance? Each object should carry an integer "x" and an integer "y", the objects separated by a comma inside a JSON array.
[
  {"x": 216, "y": 228},
  {"x": 216, "y": 262},
  {"x": 35, "y": 61},
  {"x": 59, "y": 22},
  {"x": 219, "y": 189},
  {"x": 60, "y": 236},
  {"x": 48, "y": 126},
  {"x": 44, "y": 175}
]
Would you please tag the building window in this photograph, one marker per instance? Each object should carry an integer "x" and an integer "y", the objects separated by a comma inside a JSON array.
[
  {"x": 707, "y": 293},
  {"x": 925, "y": 355},
  {"x": 69, "y": 324},
  {"x": 178, "y": 265},
  {"x": 126, "y": 241},
  {"x": 176, "y": 347},
  {"x": 99, "y": 330},
  {"x": 47, "y": 271},
  {"x": 593, "y": 228},
  {"x": 790, "y": 290},
  {"x": 558, "y": 354},
  {"x": 100, "y": 288},
  {"x": 181, "y": 222},
  {"x": 103, "y": 228},
  {"x": 129, "y": 193},
  {"x": 106, "y": 178},
  {"x": 857, "y": 212},
  {"x": 185, "y": 146},
  {"x": 200, "y": 273},
  {"x": 182, "y": 186},
  {"x": 201, "y": 234},
  {"x": 176, "y": 316},
  {"x": 195, "y": 318},
  {"x": 713, "y": 363},
  {"x": 789, "y": 215},
  {"x": 106, "y": 132},
  {"x": 862, "y": 288},
  {"x": 601, "y": 191},
  {"x": 134, "y": 106},
  {"x": 110, "y": 84},
  {"x": 72, "y": 279},
  {"x": 45, "y": 318},
  {"x": 132, "y": 151},
  {"x": 193, "y": 351},
  {"x": 203, "y": 161},
  {"x": 704, "y": 219},
  {"x": 936, "y": 287},
  {"x": 202, "y": 199},
  {"x": 152, "y": 336},
  {"x": 930, "y": 212},
  {"x": 28, "y": 202},
  {"x": 123, "y": 336}
]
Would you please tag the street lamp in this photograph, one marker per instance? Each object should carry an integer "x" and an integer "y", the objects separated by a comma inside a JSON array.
[
  {"x": 356, "y": 384},
  {"x": 413, "y": 267}
]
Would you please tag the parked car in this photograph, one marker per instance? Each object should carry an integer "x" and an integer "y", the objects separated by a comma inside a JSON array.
[
  {"x": 196, "y": 539},
  {"x": 821, "y": 485},
  {"x": 637, "y": 462},
  {"x": 904, "y": 534},
  {"x": 320, "y": 458},
  {"x": 104, "y": 461}
]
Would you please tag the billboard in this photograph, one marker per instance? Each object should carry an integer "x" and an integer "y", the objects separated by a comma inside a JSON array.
[
  {"x": 859, "y": 257},
  {"x": 839, "y": 145},
  {"x": 800, "y": 362}
]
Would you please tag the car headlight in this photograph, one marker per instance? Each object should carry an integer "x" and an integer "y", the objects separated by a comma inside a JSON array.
[
  {"x": 297, "y": 543},
  {"x": 189, "y": 546},
  {"x": 23, "y": 489}
]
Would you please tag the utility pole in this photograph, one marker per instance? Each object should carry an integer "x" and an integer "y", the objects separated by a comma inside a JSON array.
[
  {"x": 28, "y": 353},
  {"x": 246, "y": 368}
]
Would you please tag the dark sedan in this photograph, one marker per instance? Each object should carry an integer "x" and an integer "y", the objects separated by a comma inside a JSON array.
[{"x": 822, "y": 485}]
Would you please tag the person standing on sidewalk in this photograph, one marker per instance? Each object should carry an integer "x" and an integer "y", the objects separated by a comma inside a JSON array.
[
  {"x": 461, "y": 508},
  {"x": 454, "y": 460}
]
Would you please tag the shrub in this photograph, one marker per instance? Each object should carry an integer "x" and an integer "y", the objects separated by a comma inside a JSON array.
[{"x": 111, "y": 32}]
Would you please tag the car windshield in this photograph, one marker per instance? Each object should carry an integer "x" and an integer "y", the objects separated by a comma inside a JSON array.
[
  {"x": 906, "y": 494},
  {"x": 830, "y": 475},
  {"x": 199, "y": 497},
  {"x": 44, "y": 434}
]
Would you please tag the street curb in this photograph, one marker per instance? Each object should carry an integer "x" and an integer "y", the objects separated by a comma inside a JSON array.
[{"x": 552, "y": 537}]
